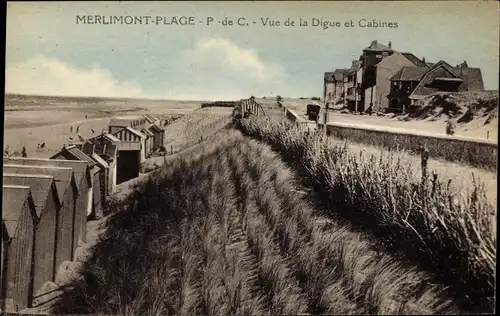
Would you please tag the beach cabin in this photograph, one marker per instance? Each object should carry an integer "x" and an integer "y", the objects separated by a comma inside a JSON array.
[
  {"x": 151, "y": 119},
  {"x": 106, "y": 146},
  {"x": 149, "y": 140},
  {"x": 47, "y": 207},
  {"x": 83, "y": 181},
  {"x": 158, "y": 136},
  {"x": 68, "y": 195},
  {"x": 103, "y": 180},
  {"x": 116, "y": 124},
  {"x": 18, "y": 241},
  {"x": 73, "y": 153},
  {"x": 132, "y": 135}
]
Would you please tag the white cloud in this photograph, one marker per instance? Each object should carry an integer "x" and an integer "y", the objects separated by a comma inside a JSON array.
[
  {"x": 226, "y": 55},
  {"x": 48, "y": 76},
  {"x": 214, "y": 69}
]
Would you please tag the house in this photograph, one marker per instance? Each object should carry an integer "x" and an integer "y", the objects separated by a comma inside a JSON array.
[
  {"x": 73, "y": 153},
  {"x": 118, "y": 123},
  {"x": 415, "y": 60},
  {"x": 411, "y": 84},
  {"x": 403, "y": 83},
  {"x": 377, "y": 95},
  {"x": 84, "y": 183},
  {"x": 47, "y": 207},
  {"x": 333, "y": 86},
  {"x": 443, "y": 77},
  {"x": 130, "y": 134},
  {"x": 68, "y": 195},
  {"x": 19, "y": 220},
  {"x": 352, "y": 85},
  {"x": 158, "y": 136}
]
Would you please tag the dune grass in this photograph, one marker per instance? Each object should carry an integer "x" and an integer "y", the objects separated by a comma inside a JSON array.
[
  {"x": 421, "y": 218},
  {"x": 223, "y": 230}
]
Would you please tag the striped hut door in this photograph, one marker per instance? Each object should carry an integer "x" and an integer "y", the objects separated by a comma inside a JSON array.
[{"x": 102, "y": 184}]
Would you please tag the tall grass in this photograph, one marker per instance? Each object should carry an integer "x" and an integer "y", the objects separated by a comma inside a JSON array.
[
  {"x": 192, "y": 128},
  {"x": 422, "y": 219},
  {"x": 221, "y": 230}
]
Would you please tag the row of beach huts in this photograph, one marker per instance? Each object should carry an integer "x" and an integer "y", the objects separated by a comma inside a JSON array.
[{"x": 47, "y": 202}]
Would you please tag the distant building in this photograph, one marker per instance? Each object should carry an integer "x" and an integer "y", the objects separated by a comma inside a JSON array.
[
  {"x": 18, "y": 241},
  {"x": 377, "y": 95},
  {"x": 333, "y": 86},
  {"x": 47, "y": 207},
  {"x": 352, "y": 85},
  {"x": 443, "y": 77},
  {"x": 403, "y": 83},
  {"x": 384, "y": 79},
  {"x": 410, "y": 85}
]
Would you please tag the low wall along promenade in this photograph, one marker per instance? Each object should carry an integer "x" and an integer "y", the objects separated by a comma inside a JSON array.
[{"x": 472, "y": 151}]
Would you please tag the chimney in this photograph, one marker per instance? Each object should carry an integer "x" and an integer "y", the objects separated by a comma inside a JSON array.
[
  {"x": 464, "y": 64},
  {"x": 390, "y": 45},
  {"x": 423, "y": 59}
]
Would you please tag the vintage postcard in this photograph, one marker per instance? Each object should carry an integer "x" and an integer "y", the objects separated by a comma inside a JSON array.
[{"x": 250, "y": 157}]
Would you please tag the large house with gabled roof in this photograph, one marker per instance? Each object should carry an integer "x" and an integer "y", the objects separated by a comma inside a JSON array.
[
  {"x": 409, "y": 86},
  {"x": 384, "y": 79}
]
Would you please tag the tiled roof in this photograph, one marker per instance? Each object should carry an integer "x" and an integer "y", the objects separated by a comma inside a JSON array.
[
  {"x": 338, "y": 74},
  {"x": 77, "y": 154},
  {"x": 151, "y": 119},
  {"x": 13, "y": 199},
  {"x": 62, "y": 176},
  {"x": 328, "y": 77},
  {"x": 100, "y": 161},
  {"x": 156, "y": 128},
  {"x": 79, "y": 167},
  {"x": 112, "y": 137},
  {"x": 123, "y": 121},
  {"x": 473, "y": 78},
  {"x": 377, "y": 47},
  {"x": 414, "y": 59},
  {"x": 410, "y": 73},
  {"x": 147, "y": 132},
  {"x": 40, "y": 186},
  {"x": 136, "y": 132}
]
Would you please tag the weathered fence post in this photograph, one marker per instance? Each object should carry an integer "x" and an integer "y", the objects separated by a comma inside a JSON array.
[
  {"x": 487, "y": 134},
  {"x": 424, "y": 157}
]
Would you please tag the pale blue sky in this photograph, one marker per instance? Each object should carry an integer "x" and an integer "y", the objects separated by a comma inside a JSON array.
[{"x": 48, "y": 53}]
